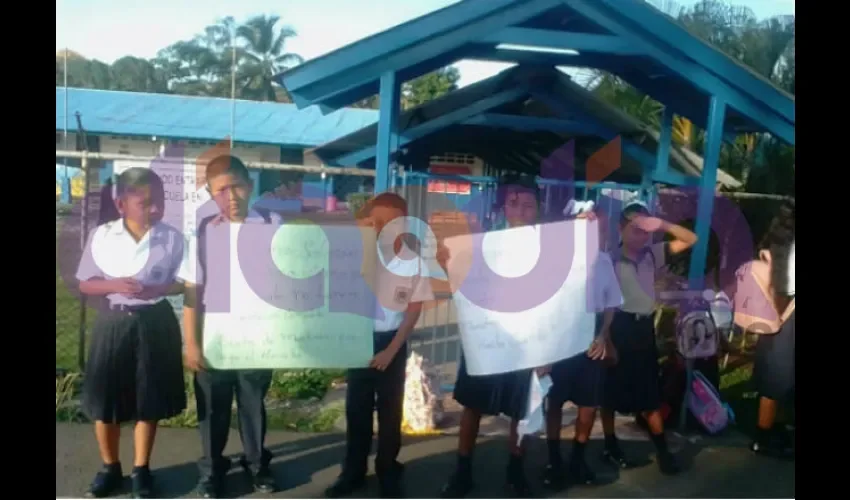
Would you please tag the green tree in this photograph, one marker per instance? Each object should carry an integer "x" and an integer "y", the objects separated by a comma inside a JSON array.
[
  {"x": 767, "y": 47},
  {"x": 262, "y": 54}
]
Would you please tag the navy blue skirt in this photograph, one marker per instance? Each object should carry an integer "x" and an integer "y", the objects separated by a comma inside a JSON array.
[
  {"x": 775, "y": 362},
  {"x": 502, "y": 394},
  {"x": 578, "y": 379},
  {"x": 632, "y": 385},
  {"x": 135, "y": 366}
]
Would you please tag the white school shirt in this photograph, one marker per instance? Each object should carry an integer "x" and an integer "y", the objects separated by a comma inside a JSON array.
[
  {"x": 111, "y": 252},
  {"x": 398, "y": 283},
  {"x": 605, "y": 293},
  {"x": 190, "y": 271},
  {"x": 637, "y": 279}
]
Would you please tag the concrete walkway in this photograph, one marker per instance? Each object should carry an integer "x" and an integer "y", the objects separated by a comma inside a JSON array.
[{"x": 306, "y": 464}]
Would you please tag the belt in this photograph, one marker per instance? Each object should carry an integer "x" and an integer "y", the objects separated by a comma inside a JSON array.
[
  {"x": 636, "y": 316},
  {"x": 131, "y": 308}
]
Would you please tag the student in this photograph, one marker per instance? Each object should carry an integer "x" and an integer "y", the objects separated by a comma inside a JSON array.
[
  {"x": 134, "y": 371},
  {"x": 580, "y": 379},
  {"x": 402, "y": 286},
  {"x": 774, "y": 370},
  {"x": 632, "y": 385},
  {"x": 517, "y": 200},
  {"x": 230, "y": 187}
]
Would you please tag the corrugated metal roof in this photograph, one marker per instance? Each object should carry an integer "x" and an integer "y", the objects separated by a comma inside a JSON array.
[{"x": 205, "y": 118}]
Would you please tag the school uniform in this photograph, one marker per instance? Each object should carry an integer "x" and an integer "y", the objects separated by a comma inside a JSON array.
[
  {"x": 215, "y": 389},
  {"x": 580, "y": 379},
  {"x": 774, "y": 370},
  {"x": 404, "y": 281},
  {"x": 632, "y": 384},
  {"x": 134, "y": 369}
]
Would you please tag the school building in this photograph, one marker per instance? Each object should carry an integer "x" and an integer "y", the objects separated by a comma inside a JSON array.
[{"x": 143, "y": 125}]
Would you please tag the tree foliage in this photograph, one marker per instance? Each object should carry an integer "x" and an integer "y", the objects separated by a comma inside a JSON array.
[
  {"x": 227, "y": 57},
  {"x": 766, "y": 47}
]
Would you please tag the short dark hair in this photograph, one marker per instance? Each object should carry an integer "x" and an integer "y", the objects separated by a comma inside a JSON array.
[
  {"x": 515, "y": 183},
  {"x": 389, "y": 200},
  {"x": 227, "y": 164},
  {"x": 631, "y": 210},
  {"x": 134, "y": 178}
]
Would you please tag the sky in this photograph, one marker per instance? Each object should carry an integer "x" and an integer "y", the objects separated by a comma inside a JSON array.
[{"x": 107, "y": 30}]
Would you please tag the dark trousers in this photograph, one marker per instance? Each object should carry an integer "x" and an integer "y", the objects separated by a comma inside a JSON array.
[
  {"x": 214, "y": 392},
  {"x": 369, "y": 389}
]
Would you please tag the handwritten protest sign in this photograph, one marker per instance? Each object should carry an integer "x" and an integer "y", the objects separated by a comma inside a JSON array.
[
  {"x": 490, "y": 270},
  {"x": 304, "y": 304}
]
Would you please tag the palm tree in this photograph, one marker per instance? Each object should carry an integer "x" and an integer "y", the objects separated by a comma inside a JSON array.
[{"x": 261, "y": 55}]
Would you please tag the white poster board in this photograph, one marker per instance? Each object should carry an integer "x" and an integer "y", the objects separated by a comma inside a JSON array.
[
  {"x": 259, "y": 333},
  {"x": 556, "y": 324}
]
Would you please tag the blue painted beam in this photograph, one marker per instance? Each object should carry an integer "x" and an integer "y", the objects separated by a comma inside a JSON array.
[
  {"x": 354, "y": 94},
  {"x": 676, "y": 37},
  {"x": 437, "y": 124},
  {"x": 561, "y": 40},
  {"x": 773, "y": 121},
  {"x": 361, "y": 66},
  {"x": 387, "y": 145},
  {"x": 705, "y": 204},
  {"x": 670, "y": 97},
  {"x": 533, "y": 124},
  {"x": 635, "y": 151},
  {"x": 380, "y": 45}
]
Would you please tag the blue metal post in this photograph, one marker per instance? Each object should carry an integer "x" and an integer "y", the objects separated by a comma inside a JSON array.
[
  {"x": 387, "y": 129},
  {"x": 705, "y": 207},
  {"x": 705, "y": 204}
]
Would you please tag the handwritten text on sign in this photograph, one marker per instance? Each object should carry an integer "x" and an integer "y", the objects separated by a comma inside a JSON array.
[
  {"x": 266, "y": 329},
  {"x": 495, "y": 341}
]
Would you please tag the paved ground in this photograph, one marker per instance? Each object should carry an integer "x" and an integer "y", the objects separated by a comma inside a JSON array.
[{"x": 306, "y": 464}]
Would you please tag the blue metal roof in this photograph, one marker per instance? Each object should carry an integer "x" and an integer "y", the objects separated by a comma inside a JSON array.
[
  {"x": 205, "y": 118},
  {"x": 629, "y": 37},
  {"x": 502, "y": 121}
]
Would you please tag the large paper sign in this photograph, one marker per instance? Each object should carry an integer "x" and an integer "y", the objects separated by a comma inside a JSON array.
[
  {"x": 297, "y": 298},
  {"x": 520, "y": 294}
]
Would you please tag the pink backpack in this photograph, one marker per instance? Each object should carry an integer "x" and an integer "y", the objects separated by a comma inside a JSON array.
[{"x": 705, "y": 404}]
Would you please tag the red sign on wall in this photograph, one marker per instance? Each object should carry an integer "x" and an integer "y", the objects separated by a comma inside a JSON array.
[{"x": 449, "y": 186}]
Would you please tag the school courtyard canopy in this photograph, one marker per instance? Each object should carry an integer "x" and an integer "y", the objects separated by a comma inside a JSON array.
[
  {"x": 629, "y": 38},
  {"x": 502, "y": 121}
]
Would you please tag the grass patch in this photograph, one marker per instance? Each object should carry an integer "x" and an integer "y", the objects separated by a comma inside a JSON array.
[
  {"x": 68, "y": 325},
  {"x": 303, "y": 384}
]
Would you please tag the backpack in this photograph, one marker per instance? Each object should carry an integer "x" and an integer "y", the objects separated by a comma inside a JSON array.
[{"x": 706, "y": 406}]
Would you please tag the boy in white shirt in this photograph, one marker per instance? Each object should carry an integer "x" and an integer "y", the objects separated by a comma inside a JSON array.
[{"x": 401, "y": 287}]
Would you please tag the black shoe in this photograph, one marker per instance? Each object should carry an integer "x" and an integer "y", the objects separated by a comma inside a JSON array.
[
  {"x": 209, "y": 487},
  {"x": 390, "y": 486},
  {"x": 106, "y": 482},
  {"x": 345, "y": 485},
  {"x": 579, "y": 473},
  {"x": 554, "y": 477},
  {"x": 667, "y": 464},
  {"x": 458, "y": 486},
  {"x": 774, "y": 448},
  {"x": 142, "y": 482},
  {"x": 518, "y": 486},
  {"x": 615, "y": 455},
  {"x": 263, "y": 481}
]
